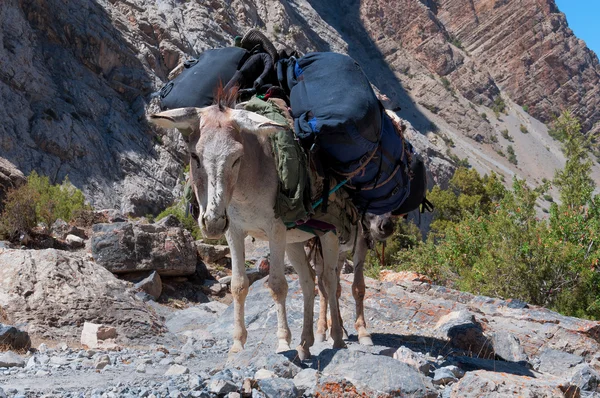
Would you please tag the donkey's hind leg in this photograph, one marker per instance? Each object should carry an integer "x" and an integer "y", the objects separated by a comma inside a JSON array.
[
  {"x": 306, "y": 275},
  {"x": 322, "y": 322},
  {"x": 358, "y": 291},
  {"x": 330, "y": 246}
]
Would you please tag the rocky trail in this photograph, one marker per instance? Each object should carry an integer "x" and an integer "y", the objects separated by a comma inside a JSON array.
[{"x": 430, "y": 341}]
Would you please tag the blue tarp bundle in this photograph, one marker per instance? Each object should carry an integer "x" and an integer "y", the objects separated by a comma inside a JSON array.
[{"x": 335, "y": 108}]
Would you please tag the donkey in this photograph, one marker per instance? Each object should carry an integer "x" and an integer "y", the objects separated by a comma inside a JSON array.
[
  {"x": 376, "y": 228},
  {"x": 233, "y": 176}
]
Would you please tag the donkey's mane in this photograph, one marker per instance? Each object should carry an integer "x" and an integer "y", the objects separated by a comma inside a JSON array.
[{"x": 226, "y": 98}]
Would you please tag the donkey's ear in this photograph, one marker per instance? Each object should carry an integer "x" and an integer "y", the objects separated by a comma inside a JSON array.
[
  {"x": 185, "y": 120},
  {"x": 255, "y": 123}
]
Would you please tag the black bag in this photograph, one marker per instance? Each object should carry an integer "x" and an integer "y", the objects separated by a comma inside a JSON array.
[
  {"x": 418, "y": 189},
  {"x": 195, "y": 86}
]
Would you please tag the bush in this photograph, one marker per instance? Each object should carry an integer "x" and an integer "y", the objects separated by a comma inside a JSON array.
[
  {"x": 39, "y": 201},
  {"x": 187, "y": 221},
  {"x": 499, "y": 106},
  {"x": 512, "y": 157},
  {"x": 488, "y": 240},
  {"x": 523, "y": 129},
  {"x": 506, "y": 135},
  {"x": 484, "y": 116}
]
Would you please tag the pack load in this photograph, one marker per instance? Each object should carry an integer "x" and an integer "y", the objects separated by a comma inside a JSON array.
[
  {"x": 249, "y": 66},
  {"x": 338, "y": 116}
]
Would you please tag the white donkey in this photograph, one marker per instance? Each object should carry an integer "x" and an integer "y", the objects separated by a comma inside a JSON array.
[
  {"x": 235, "y": 181},
  {"x": 377, "y": 228}
]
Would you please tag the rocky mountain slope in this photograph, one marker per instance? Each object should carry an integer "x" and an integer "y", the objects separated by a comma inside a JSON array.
[{"x": 76, "y": 81}]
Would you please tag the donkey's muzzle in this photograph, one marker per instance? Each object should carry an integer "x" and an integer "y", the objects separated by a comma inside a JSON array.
[{"x": 213, "y": 227}]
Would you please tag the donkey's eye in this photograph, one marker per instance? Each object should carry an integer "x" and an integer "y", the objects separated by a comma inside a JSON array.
[
  {"x": 237, "y": 162},
  {"x": 196, "y": 158}
]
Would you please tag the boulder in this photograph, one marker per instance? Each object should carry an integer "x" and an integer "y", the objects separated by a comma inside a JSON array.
[
  {"x": 211, "y": 253},
  {"x": 491, "y": 384},
  {"x": 127, "y": 247},
  {"x": 558, "y": 363},
  {"x": 10, "y": 177},
  {"x": 11, "y": 360},
  {"x": 98, "y": 336},
  {"x": 387, "y": 275},
  {"x": 74, "y": 241},
  {"x": 508, "y": 347},
  {"x": 14, "y": 338},
  {"x": 151, "y": 285},
  {"x": 80, "y": 291},
  {"x": 413, "y": 359},
  {"x": 375, "y": 373},
  {"x": 465, "y": 333},
  {"x": 278, "y": 388}
]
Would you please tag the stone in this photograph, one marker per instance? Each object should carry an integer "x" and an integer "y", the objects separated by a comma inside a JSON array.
[
  {"x": 482, "y": 383},
  {"x": 2, "y": 393},
  {"x": 409, "y": 357},
  {"x": 42, "y": 348},
  {"x": 376, "y": 373},
  {"x": 74, "y": 241},
  {"x": 585, "y": 377},
  {"x": 96, "y": 336},
  {"x": 464, "y": 332},
  {"x": 387, "y": 275},
  {"x": 14, "y": 338},
  {"x": 101, "y": 362},
  {"x": 130, "y": 247},
  {"x": 508, "y": 347},
  {"x": 263, "y": 374},
  {"x": 152, "y": 285},
  {"x": 558, "y": 363},
  {"x": 33, "y": 278},
  {"x": 234, "y": 395},
  {"x": 211, "y": 253},
  {"x": 221, "y": 386},
  {"x": 59, "y": 229},
  {"x": 443, "y": 376},
  {"x": 247, "y": 387},
  {"x": 278, "y": 388},
  {"x": 141, "y": 368},
  {"x": 9, "y": 359},
  {"x": 195, "y": 318},
  {"x": 169, "y": 221},
  {"x": 306, "y": 381},
  {"x": 177, "y": 370}
]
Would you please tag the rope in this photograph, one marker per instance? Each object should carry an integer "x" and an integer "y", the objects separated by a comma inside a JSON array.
[{"x": 318, "y": 202}]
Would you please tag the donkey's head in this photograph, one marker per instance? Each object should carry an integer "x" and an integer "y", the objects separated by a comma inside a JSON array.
[
  {"x": 380, "y": 227},
  {"x": 215, "y": 139}
]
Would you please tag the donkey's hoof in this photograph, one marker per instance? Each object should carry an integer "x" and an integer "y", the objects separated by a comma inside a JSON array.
[
  {"x": 365, "y": 340},
  {"x": 339, "y": 344},
  {"x": 303, "y": 353},
  {"x": 236, "y": 347},
  {"x": 320, "y": 337},
  {"x": 344, "y": 333},
  {"x": 283, "y": 346}
]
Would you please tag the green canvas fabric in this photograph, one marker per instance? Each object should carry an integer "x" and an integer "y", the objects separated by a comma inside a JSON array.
[
  {"x": 293, "y": 198},
  {"x": 297, "y": 180}
]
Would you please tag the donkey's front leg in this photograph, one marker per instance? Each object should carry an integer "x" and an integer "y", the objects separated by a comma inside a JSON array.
[
  {"x": 239, "y": 286},
  {"x": 278, "y": 284}
]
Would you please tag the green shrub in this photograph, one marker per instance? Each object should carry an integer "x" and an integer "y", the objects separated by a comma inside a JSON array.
[
  {"x": 506, "y": 135},
  {"x": 494, "y": 138},
  {"x": 187, "y": 221},
  {"x": 523, "y": 129},
  {"x": 499, "y": 106},
  {"x": 512, "y": 157},
  {"x": 40, "y": 201},
  {"x": 484, "y": 116},
  {"x": 488, "y": 240}
]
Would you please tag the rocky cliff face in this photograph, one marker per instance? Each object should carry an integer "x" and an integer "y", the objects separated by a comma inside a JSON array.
[{"x": 76, "y": 80}]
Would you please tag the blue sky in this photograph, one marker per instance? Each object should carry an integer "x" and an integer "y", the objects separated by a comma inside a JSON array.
[{"x": 583, "y": 17}]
